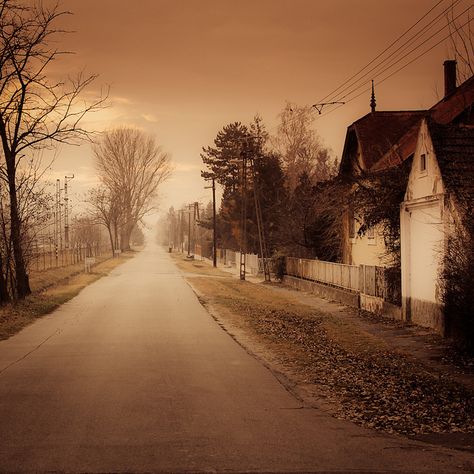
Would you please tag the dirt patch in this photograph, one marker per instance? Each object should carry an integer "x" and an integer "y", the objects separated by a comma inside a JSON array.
[
  {"x": 330, "y": 361},
  {"x": 197, "y": 267},
  {"x": 50, "y": 289}
]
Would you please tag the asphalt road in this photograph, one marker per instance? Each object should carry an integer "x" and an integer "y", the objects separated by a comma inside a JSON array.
[{"x": 134, "y": 375}]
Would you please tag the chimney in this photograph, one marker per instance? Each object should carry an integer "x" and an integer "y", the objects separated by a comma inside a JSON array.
[{"x": 449, "y": 76}]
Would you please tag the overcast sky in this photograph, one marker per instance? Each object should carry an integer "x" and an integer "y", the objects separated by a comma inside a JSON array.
[{"x": 183, "y": 69}]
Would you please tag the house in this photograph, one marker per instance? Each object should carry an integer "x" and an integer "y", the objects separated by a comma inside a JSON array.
[
  {"x": 440, "y": 188},
  {"x": 368, "y": 140},
  {"x": 384, "y": 139}
]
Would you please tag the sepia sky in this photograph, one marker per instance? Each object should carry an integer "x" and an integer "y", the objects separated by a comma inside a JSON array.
[{"x": 183, "y": 69}]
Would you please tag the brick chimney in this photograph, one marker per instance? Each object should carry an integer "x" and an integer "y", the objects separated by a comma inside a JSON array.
[{"x": 449, "y": 76}]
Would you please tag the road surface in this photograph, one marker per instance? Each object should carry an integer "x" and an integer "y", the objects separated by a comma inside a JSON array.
[{"x": 134, "y": 375}]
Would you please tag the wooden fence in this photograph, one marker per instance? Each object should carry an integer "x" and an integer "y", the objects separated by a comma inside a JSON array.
[
  {"x": 335, "y": 274},
  {"x": 365, "y": 279},
  {"x": 369, "y": 280}
]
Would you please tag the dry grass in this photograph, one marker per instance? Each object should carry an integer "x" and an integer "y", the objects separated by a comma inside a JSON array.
[
  {"x": 333, "y": 359},
  {"x": 197, "y": 266},
  {"x": 50, "y": 289}
]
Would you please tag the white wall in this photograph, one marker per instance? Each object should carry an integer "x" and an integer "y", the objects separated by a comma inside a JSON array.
[
  {"x": 422, "y": 233},
  {"x": 366, "y": 251}
]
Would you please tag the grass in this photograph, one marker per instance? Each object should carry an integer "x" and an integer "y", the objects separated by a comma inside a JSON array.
[
  {"x": 197, "y": 267},
  {"x": 328, "y": 357},
  {"x": 50, "y": 289}
]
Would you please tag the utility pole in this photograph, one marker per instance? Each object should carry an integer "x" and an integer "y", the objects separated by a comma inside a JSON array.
[
  {"x": 189, "y": 229},
  {"x": 243, "y": 217},
  {"x": 66, "y": 210},
  {"x": 57, "y": 226},
  {"x": 260, "y": 227},
  {"x": 214, "y": 241},
  {"x": 195, "y": 232},
  {"x": 181, "y": 230}
]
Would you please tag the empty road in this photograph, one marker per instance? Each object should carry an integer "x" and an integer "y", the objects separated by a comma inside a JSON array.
[{"x": 134, "y": 375}]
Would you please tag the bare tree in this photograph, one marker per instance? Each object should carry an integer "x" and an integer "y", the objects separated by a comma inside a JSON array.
[
  {"x": 106, "y": 210},
  {"x": 462, "y": 44},
  {"x": 35, "y": 112},
  {"x": 86, "y": 234},
  {"x": 131, "y": 167},
  {"x": 301, "y": 148}
]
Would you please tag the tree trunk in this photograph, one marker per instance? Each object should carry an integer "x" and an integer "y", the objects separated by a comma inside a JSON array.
[
  {"x": 21, "y": 276},
  {"x": 125, "y": 238},
  {"x": 4, "y": 296},
  {"x": 111, "y": 237}
]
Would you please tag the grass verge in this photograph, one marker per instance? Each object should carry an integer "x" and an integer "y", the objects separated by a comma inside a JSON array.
[
  {"x": 50, "y": 289},
  {"x": 335, "y": 362}
]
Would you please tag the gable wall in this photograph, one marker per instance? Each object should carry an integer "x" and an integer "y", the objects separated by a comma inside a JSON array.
[{"x": 423, "y": 225}]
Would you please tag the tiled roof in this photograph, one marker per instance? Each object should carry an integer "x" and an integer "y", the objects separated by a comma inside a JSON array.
[
  {"x": 378, "y": 132},
  {"x": 454, "y": 148},
  {"x": 451, "y": 106},
  {"x": 386, "y": 138}
]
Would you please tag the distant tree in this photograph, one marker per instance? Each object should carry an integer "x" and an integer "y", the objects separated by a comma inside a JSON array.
[
  {"x": 106, "y": 210},
  {"x": 86, "y": 234},
  {"x": 301, "y": 148},
  {"x": 132, "y": 167},
  {"x": 264, "y": 175},
  {"x": 35, "y": 112},
  {"x": 222, "y": 161},
  {"x": 269, "y": 185},
  {"x": 137, "y": 237}
]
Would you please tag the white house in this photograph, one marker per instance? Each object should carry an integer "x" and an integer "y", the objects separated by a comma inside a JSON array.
[
  {"x": 384, "y": 139},
  {"x": 444, "y": 156}
]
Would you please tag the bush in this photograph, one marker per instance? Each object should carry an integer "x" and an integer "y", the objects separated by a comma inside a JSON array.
[
  {"x": 457, "y": 288},
  {"x": 279, "y": 266}
]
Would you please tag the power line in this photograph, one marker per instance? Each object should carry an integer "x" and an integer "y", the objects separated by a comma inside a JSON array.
[
  {"x": 394, "y": 58},
  {"x": 399, "y": 69},
  {"x": 391, "y": 60},
  {"x": 391, "y": 65},
  {"x": 384, "y": 51}
]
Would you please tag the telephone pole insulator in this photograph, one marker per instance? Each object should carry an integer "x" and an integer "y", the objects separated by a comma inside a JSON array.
[{"x": 320, "y": 107}]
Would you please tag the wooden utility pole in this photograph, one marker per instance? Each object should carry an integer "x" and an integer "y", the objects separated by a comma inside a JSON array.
[
  {"x": 260, "y": 227},
  {"x": 243, "y": 216},
  {"x": 189, "y": 229},
  {"x": 214, "y": 225},
  {"x": 214, "y": 237}
]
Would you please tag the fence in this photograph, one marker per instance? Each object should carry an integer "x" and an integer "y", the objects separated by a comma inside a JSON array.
[
  {"x": 335, "y": 274},
  {"x": 42, "y": 259},
  {"x": 231, "y": 258},
  {"x": 369, "y": 280}
]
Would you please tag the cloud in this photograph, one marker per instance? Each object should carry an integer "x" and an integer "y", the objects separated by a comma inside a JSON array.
[
  {"x": 149, "y": 118},
  {"x": 121, "y": 100}
]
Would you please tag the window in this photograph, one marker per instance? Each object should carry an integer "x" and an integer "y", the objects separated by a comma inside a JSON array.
[
  {"x": 371, "y": 233},
  {"x": 423, "y": 163}
]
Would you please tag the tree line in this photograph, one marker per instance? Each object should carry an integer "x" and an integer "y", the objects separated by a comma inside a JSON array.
[
  {"x": 131, "y": 167},
  {"x": 290, "y": 174},
  {"x": 38, "y": 112}
]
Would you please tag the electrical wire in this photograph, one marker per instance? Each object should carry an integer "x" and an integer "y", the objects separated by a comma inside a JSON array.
[
  {"x": 385, "y": 50},
  {"x": 401, "y": 49},
  {"x": 399, "y": 69},
  {"x": 394, "y": 63}
]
